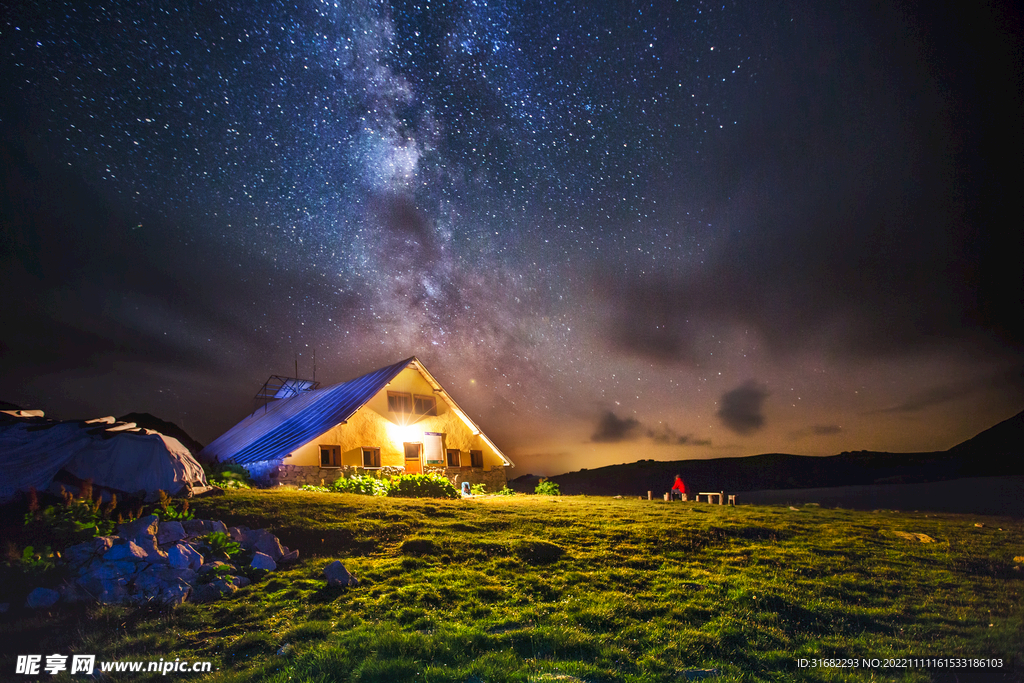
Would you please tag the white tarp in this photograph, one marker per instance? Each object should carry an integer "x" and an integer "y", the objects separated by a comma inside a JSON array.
[
  {"x": 138, "y": 462},
  {"x": 32, "y": 451}
]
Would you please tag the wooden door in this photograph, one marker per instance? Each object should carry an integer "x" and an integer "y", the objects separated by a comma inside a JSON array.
[{"x": 412, "y": 458}]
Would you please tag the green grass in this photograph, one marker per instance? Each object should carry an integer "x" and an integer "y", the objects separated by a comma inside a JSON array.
[{"x": 534, "y": 588}]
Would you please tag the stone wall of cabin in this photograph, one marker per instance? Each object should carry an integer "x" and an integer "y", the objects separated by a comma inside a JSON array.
[{"x": 494, "y": 479}]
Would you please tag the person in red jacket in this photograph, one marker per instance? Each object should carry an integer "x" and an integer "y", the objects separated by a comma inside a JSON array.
[{"x": 678, "y": 489}]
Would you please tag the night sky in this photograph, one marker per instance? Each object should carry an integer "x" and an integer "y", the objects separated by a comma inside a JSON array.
[{"x": 612, "y": 231}]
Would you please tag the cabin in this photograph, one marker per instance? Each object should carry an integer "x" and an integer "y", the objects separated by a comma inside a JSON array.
[{"x": 397, "y": 419}]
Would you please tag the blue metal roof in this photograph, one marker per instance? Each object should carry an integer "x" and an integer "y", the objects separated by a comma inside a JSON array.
[{"x": 282, "y": 426}]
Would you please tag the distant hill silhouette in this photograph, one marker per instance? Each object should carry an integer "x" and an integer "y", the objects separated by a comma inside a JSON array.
[
  {"x": 998, "y": 451},
  {"x": 147, "y": 421},
  {"x": 4, "y": 405}
]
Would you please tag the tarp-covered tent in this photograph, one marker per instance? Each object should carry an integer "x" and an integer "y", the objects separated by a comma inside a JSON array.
[{"x": 113, "y": 455}]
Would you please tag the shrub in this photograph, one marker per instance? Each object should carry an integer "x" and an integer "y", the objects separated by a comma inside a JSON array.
[
  {"x": 227, "y": 476},
  {"x": 362, "y": 484},
  {"x": 477, "y": 489},
  {"x": 166, "y": 510},
  {"x": 20, "y": 572},
  {"x": 317, "y": 489},
  {"x": 429, "y": 485},
  {"x": 547, "y": 488},
  {"x": 72, "y": 520},
  {"x": 506, "y": 491},
  {"x": 219, "y": 543}
]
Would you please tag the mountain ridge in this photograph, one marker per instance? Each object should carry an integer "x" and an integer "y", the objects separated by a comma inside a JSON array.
[{"x": 997, "y": 451}]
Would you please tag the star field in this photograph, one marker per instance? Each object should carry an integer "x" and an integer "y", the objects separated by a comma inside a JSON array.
[{"x": 663, "y": 228}]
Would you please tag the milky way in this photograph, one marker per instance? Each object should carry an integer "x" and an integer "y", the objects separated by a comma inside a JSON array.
[{"x": 579, "y": 216}]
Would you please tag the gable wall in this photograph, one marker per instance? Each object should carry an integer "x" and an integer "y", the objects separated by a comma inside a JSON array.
[{"x": 373, "y": 426}]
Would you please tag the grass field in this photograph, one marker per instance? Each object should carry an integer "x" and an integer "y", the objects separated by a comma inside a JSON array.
[{"x": 532, "y": 588}]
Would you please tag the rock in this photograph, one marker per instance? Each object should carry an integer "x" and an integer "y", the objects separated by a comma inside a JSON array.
[
  {"x": 290, "y": 557},
  {"x": 337, "y": 575},
  {"x": 175, "y": 595},
  {"x": 262, "y": 561},
  {"x": 113, "y": 570},
  {"x": 113, "y": 592},
  {"x": 143, "y": 532},
  {"x": 210, "y": 566},
  {"x": 102, "y": 544},
  {"x": 238, "y": 533},
  {"x": 177, "y": 558},
  {"x": 213, "y": 590},
  {"x": 41, "y": 598},
  {"x": 184, "y": 555},
  {"x": 4, "y": 606},
  {"x": 923, "y": 538},
  {"x": 140, "y": 530},
  {"x": 126, "y": 551},
  {"x": 77, "y": 555},
  {"x": 164, "y": 583},
  {"x": 106, "y": 577},
  {"x": 240, "y": 581},
  {"x": 218, "y": 526},
  {"x": 980, "y": 525},
  {"x": 170, "y": 532},
  {"x": 1019, "y": 558},
  {"x": 72, "y": 592},
  {"x": 267, "y": 543},
  {"x": 793, "y": 508},
  {"x": 195, "y": 527}
]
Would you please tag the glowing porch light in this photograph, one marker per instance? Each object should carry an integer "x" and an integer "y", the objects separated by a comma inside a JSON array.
[{"x": 400, "y": 434}]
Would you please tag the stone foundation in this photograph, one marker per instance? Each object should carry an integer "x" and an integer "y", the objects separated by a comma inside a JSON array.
[
  {"x": 298, "y": 475},
  {"x": 494, "y": 480}
]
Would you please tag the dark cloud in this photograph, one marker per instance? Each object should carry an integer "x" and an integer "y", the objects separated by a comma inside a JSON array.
[
  {"x": 740, "y": 408},
  {"x": 612, "y": 429},
  {"x": 1008, "y": 383},
  {"x": 817, "y": 430},
  {"x": 667, "y": 435}
]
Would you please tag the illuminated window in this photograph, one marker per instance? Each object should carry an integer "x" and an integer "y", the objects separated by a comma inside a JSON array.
[
  {"x": 371, "y": 457},
  {"x": 330, "y": 456},
  {"x": 399, "y": 403},
  {"x": 425, "y": 405},
  {"x": 476, "y": 458},
  {"x": 454, "y": 457}
]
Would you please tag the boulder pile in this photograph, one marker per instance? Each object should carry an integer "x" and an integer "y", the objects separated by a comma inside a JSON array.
[{"x": 149, "y": 560}]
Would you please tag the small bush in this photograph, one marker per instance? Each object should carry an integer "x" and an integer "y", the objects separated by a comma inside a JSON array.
[
  {"x": 422, "y": 486},
  {"x": 72, "y": 520},
  {"x": 477, "y": 489},
  {"x": 219, "y": 543},
  {"x": 167, "y": 511},
  {"x": 547, "y": 488},
  {"x": 317, "y": 489},
  {"x": 506, "y": 491},
  {"x": 227, "y": 476},
  {"x": 362, "y": 484}
]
